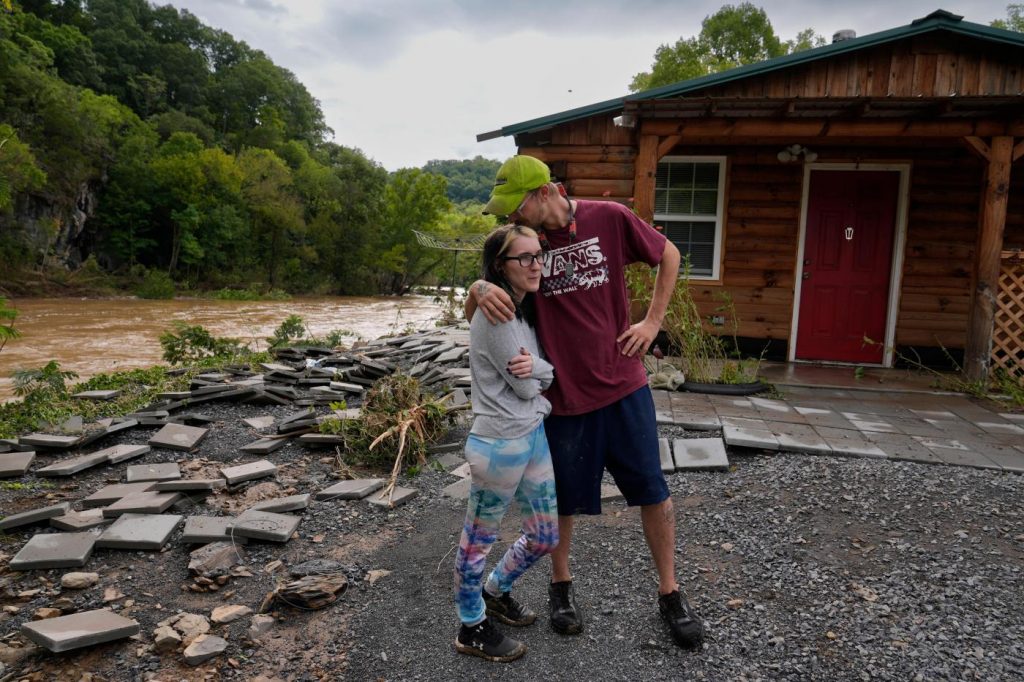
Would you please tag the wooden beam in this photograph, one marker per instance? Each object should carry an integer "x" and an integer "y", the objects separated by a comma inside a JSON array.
[
  {"x": 1018, "y": 150},
  {"x": 987, "y": 258},
  {"x": 978, "y": 145},
  {"x": 791, "y": 128},
  {"x": 643, "y": 177},
  {"x": 666, "y": 145}
]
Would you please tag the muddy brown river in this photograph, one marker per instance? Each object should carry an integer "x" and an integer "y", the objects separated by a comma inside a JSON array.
[{"x": 93, "y": 336}]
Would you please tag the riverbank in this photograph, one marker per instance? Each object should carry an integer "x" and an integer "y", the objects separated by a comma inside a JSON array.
[{"x": 92, "y": 336}]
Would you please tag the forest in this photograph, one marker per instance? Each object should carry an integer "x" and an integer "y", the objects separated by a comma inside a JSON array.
[{"x": 156, "y": 154}]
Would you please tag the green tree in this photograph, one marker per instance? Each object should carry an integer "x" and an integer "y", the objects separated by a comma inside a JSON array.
[
  {"x": 413, "y": 201},
  {"x": 18, "y": 169},
  {"x": 1014, "y": 19},
  {"x": 7, "y": 317},
  {"x": 733, "y": 36},
  {"x": 274, "y": 209},
  {"x": 468, "y": 179}
]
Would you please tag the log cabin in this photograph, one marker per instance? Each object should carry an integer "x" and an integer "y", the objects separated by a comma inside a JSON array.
[{"x": 859, "y": 189}]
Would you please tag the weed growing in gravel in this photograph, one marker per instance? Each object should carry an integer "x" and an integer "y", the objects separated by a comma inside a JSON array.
[{"x": 396, "y": 424}]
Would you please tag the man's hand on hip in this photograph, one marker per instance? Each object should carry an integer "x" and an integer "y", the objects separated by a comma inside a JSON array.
[{"x": 638, "y": 338}]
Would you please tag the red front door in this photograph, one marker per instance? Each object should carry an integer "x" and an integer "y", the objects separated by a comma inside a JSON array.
[{"x": 844, "y": 297}]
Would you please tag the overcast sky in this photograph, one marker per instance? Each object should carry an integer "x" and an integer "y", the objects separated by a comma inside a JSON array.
[{"x": 407, "y": 81}]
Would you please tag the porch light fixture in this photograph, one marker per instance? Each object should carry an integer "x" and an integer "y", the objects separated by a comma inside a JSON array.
[
  {"x": 625, "y": 121},
  {"x": 793, "y": 152}
]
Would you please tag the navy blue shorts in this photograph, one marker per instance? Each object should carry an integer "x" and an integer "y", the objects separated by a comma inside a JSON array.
[{"x": 623, "y": 438}]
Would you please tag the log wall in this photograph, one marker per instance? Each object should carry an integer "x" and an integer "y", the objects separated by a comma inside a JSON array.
[
  {"x": 763, "y": 218},
  {"x": 925, "y": 66}
]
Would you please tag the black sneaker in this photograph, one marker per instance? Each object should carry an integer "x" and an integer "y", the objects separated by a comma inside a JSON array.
[
  {"x": 683, "y": 622},
  {"x": 485, "y": 641},
  {"x": 509, "y": 611},
  {"x": 565, "y": 617}
]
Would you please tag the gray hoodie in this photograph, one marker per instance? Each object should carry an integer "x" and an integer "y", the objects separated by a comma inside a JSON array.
[{"x": 506, "y": 406}]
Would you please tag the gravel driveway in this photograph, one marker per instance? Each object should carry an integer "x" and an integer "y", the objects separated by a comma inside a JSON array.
[{"x": 803, "y": 568}]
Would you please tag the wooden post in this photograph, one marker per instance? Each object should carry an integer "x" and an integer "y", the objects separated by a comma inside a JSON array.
[
  {"x": 987, "y": 252},
  {"x": 643, "y": 177}
]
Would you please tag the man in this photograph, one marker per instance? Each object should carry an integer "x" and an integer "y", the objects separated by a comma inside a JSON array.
[{"x": 602, "y": 409}]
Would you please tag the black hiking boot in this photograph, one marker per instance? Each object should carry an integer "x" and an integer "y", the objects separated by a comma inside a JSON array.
[
  {"x": 683, "y": 622},
  {"x": 509, "y": 611},
  {"x": 485, "y": 641},
  {"x": 565, "y": 617}
]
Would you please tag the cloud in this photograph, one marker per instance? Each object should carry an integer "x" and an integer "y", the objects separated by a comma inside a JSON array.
[{"x": 264, "y": 6}]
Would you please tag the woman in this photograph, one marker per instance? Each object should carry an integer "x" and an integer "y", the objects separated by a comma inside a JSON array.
[{"x": 507, "y": 452}]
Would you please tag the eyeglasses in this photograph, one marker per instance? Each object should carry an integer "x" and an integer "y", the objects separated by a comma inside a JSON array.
[
  {"x": 528, "y": 259},
  {"x": 519, "y": 210}
]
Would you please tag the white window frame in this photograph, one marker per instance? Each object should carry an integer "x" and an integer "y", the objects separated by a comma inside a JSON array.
[{"x": 719, "y": 219}]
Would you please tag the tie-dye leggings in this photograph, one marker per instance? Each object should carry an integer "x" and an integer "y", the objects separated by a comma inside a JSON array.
[{"x": 503, "y": 469}]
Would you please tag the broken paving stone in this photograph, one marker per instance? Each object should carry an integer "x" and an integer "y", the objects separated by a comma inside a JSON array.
[
  {"x": 351, "y": 490},
  {"x": 47, "y": 613},
  {"x": 178, "y": 437},
  {"x": 163, "y": 471},
  {"x": 248, "y": 472},
  {"x": 203, "y": 529},
  {"x": 260, "y": 422},
  {"x": 79, "y": 581},
  {"x": 79, "y": 521},
  {"x": 74, "y": 465},
  {"x": 96, "y": 395},
  {"x": 203, "y": 648},
  {"x": 54, "y": 550},
  {"x": 264, "y": 446},
  {"x": 260, "y": 625},
  {"x": 458, "y": 490},
  {"x": 139, "y": 531},
  {"x": 323, "y": 439},
  {"x": 151, "y": 502},
  {"x": 283, "y": 504},
  {"x": 260, "y": 525},
  {"x": 373, "y": 576},
  {"x": 166, "y": 639},
  {"x": 79, "y": 630},
  {"x": 214, "y": 558},
  {"x": 15, "y": 463},
  {"x": 190, "y": 485},
  {"x": 398, "y": 497},
  {"x": 34, "y": 515},
  {"x": 229, "y": 613},
  {"x": 112, "y": 493},
  {"x": 665, "y": 452}
]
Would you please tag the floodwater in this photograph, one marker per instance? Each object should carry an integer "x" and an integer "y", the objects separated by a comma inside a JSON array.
[{"x": 94, "y": 336}]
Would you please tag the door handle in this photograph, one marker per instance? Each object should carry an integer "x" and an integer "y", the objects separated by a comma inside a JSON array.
[{"x": 807, "y": 275}]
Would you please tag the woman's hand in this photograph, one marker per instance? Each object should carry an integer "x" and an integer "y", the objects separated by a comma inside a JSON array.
[{"x": 521, "y": 366}]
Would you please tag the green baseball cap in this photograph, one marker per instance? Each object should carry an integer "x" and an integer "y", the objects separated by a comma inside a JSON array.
[{"x": 516, "y": 178}]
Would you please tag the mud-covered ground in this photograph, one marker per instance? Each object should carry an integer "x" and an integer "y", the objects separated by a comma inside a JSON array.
[{"x": 803, "y": 568}]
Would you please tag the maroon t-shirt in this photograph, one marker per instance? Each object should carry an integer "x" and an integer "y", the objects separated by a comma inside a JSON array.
[{"x": 583, "y": 307}]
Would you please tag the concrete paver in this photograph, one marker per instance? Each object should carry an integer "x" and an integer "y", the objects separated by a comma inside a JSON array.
[
  {"x": 34, "y": 515},
  {"x": 112, "y": 493},
  {"x": 398, "y": 497},
  {"x": 139, "y": 531},
  {"x": 87, "y": 628},
  {"x": 699, "y": 453},
  {"x": 352, "y": 490},
  {"x": 161, "y": 471},
  {"x": 178, "y": 437},
  {"x": 15, "y": 463},
  {"x": 261, "y": 525},
  {"x": 54, "y": 550},
  {"x": 248, "y": 472}
]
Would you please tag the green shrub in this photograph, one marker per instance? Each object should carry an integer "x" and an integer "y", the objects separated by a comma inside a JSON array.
[
  {"x": 157, "y": 284},
  {"x": 187, "y": 344}
]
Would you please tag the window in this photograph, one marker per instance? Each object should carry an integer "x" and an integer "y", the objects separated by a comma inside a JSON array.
[{"x": 688, "y": 200}]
